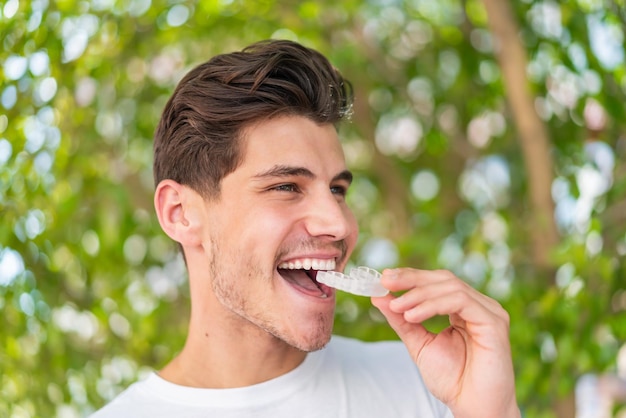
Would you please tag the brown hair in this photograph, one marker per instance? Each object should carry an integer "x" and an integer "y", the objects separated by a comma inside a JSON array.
[{"x": 198, "y": 140}]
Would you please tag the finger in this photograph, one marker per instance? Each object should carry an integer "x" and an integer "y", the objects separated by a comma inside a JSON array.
[
  {"x": 459, "y": 303},
  {"x": 464, "y": 312},
  {"x": 429, "y": 285},
  {"x": 410, "y": 333},
  {"x": 420, "y": 294},
  {"x": 445, "y": 297},
  {"x": 406, "y": 278}
]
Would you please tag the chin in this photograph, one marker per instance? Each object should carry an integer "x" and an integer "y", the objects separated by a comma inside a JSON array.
[
  {"x": 310, "y": 346},
  {"x": 316, "y": 339},
  {"x": 319, "y": 343},
  {"x": 318, "y": 347}
]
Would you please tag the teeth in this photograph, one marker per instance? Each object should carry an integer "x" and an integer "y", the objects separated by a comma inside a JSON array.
[{"x": 308, "y": 264}]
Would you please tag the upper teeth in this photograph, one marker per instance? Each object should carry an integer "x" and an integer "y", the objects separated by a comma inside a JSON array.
[{"x": 308, "y": 264}]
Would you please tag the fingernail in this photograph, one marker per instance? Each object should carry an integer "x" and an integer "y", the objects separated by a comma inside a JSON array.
[
  {"x": 395, "y": 304},
  {"x": 390, "y": 273}
]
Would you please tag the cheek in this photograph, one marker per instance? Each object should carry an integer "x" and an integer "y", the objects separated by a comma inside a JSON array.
[
  {"x": 354, "y": 227},
  {"x": 273, "y": 221},
  {"x": 264, "y": 228}
]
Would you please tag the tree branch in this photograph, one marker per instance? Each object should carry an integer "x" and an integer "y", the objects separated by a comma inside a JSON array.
[{"x": 533, "y": 136}]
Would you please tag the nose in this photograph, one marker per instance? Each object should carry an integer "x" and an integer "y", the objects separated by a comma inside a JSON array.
[{"x": 329, "y": 216}]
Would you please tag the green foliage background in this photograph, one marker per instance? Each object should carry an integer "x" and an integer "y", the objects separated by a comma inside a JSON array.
[{"x": 93, "y": 294}]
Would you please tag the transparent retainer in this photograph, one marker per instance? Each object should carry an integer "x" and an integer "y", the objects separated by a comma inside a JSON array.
[{"x": 362, "y": 281}]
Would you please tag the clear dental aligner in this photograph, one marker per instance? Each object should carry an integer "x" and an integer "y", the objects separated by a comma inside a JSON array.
[{"x": 362, "y": 281}]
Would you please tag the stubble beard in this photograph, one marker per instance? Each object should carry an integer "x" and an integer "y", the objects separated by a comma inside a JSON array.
[{"x": 229, "y": 284}]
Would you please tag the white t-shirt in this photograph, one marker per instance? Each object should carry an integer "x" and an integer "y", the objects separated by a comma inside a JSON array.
[{"x": 347, "y": 379}]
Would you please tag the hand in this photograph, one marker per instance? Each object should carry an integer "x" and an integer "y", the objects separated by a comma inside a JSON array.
[{"x": 468, "y": 366}]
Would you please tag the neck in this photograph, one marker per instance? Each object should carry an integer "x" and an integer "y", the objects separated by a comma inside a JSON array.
[{"x": 223, "y": 350}]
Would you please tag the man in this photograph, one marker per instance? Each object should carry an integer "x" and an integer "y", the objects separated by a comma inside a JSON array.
[{"x": 251, "y": 181}]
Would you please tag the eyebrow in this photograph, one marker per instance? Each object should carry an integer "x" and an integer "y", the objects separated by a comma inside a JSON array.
[{"x": 289, "y": 171}]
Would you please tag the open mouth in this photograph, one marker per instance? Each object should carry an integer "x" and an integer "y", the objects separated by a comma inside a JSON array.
[{"x": 301, "y": 275}]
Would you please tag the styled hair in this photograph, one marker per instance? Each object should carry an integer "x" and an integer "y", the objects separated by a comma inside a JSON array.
[{"x": 199, "y": 139}]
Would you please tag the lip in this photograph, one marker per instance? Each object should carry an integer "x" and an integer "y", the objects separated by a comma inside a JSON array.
[
  {"x": 328, "y": 291},
  {"x": 304, "y": 291}
]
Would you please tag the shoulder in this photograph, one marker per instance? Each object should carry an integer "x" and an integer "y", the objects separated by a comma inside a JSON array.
[{"x": 131, "y": 402}]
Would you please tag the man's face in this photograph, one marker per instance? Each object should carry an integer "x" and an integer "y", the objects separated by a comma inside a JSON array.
[{"x": 282, "y": 211}]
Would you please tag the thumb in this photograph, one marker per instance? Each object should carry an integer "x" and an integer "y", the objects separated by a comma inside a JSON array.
[{"x": 410, "y": 333}]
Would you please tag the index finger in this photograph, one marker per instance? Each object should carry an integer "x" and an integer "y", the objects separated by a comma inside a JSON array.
[{"x": 399, "y": 279}]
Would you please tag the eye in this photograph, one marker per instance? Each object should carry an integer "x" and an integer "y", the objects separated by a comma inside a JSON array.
[
  {"x": 286, "y": 187},
  {"x": 339, "y": 190}
]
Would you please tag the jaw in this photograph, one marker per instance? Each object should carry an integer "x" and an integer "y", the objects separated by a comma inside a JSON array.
[
  {"x": 309, "y": 307},
  {"x": 309, "y": 326}
]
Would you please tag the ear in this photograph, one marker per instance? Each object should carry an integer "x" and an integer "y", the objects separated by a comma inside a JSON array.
[{"x": 178, "y": 208}]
